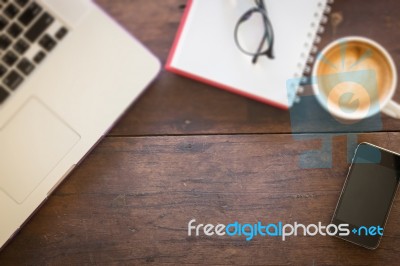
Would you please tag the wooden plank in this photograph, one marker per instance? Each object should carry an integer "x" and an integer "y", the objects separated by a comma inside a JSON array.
[{"x": 131, "y": 200}]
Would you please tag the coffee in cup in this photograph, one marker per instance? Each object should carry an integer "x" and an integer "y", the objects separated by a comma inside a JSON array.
[{"x": 355, "y": 78}]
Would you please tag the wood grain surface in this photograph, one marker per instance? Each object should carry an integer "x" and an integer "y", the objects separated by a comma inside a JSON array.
[{"x": 186, "y": 150}]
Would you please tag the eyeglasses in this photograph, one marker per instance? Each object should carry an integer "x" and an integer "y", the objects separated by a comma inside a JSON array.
[{"x": 253, "y": 42}]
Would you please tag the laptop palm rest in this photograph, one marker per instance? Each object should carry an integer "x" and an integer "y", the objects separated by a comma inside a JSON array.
[
  {"x": 32, "y": 143},
  {"x": 72, "y": 11}
]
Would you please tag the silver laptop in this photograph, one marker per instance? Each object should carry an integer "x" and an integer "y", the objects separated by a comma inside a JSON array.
[{"x": 67, "y": 72}]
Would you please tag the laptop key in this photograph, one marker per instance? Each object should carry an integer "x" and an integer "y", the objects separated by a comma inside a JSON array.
[
  {"x": 3, "y": 70},
  {"x": 39, "y": 57},
  {"x": 60, "y": 34},
  {"x": 4, "y": 42},
  {"x": 39, "y": 27},
  {"x": 11, "y": 11},
  {"x": 3, "y": 22},
  {"x": 13, "y": 80},
  {"x": 22, "y": 3},
  {"x": 21, "y": 46},
  {"x": 14, "y": 30},
  {"x": 31, "y": 12},
  {"x": 10, "y": 58},
  {"x": 47, "y": 43},
  {"x": 3, "y": 95},
  {"x": 25, "y": 66}
]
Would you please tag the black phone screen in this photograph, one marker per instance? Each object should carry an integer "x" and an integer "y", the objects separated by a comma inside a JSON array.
[{"x": 368, "y": 194}]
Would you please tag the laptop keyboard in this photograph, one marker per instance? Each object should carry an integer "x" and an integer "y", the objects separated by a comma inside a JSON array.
[{"x": 28, "y": 33}]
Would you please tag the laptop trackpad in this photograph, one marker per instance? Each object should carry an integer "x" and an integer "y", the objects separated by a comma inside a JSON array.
[{"x": 32, "y": 143}]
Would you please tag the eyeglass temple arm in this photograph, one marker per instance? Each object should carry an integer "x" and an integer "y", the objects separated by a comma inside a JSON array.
[{"x": 269, "y": 52}]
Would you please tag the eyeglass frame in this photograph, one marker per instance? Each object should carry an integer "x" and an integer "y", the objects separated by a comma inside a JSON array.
[{"x": 268, "y": 32}]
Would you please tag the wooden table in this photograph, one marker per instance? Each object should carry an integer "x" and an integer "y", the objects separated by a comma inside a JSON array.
[{"x": 186, "y": 150}]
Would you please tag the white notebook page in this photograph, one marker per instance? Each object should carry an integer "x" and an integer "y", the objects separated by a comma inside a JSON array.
[{"x": 207, "y": 49}]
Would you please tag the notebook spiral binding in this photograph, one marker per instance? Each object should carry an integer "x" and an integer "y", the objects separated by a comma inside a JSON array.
[{"x": 321, "y": 18}]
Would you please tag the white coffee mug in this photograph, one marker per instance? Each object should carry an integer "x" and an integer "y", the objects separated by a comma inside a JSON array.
[{"x": 364, "y": 75}]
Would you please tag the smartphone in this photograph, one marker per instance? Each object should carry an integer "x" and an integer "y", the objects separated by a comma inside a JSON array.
[{"x": 368, "y": 194}]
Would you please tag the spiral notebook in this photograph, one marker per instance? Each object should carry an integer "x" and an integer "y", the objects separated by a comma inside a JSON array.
[{"x": 205, "y": 50}]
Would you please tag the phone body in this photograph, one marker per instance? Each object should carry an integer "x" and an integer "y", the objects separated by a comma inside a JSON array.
[{"x": 368, "y": 194}]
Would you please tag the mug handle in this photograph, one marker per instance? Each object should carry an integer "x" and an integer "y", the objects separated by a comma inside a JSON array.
[{"x": 392, "y": 109}]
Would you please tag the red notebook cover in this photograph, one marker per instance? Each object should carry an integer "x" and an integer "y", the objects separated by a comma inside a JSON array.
[
  {"x": 210, "y": 19},
  {"x": 170, "y": 68}
]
